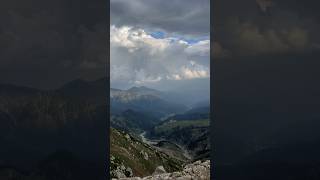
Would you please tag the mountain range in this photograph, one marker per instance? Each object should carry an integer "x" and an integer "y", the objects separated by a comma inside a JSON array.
[
  {"x": 38, "y": 124},
  {"x": 42, "y": 129},
  {"x": 143, "y": 99},
  {"x": 162, "y": 123}
]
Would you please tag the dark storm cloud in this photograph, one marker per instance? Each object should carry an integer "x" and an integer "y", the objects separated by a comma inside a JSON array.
[
  {"x": 47, "y": 43},
  {"x": 218, "y": 51},
  {"x": 252, "y": 27},
  {"x": 266, "y": 90},
  {"x": 176, "y": 16}
]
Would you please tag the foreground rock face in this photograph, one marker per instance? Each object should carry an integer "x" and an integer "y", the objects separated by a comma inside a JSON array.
[{"x": 195, "y": 171}]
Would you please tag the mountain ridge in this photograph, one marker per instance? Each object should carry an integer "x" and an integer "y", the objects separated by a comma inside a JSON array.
[{"x": 143, "y": 99}]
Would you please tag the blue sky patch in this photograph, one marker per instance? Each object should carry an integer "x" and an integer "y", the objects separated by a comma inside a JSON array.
[
  {"x": 158, "y": 34},
  {"x": 162, "y": 35}
]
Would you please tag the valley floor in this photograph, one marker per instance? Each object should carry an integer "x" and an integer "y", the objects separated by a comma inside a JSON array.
[{"x": 154, "y": 142}]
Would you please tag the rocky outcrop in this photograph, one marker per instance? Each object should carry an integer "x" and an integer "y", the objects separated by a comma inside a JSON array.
[
  {"x": 197, "y": 170},
  {"x": 159, "y": 170}
]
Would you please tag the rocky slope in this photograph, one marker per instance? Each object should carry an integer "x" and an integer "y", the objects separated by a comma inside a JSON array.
[
  {"x": 131, "y": 157},
  {"x": 35, "y": 124},
  {"x": 197, "y": 170},
  {"x": 189, "y": 130}
]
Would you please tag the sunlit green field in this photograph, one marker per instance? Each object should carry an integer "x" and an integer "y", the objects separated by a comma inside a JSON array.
[{"x": 181, "y": 124}]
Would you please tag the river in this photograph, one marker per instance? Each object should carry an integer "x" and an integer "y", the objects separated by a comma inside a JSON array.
[{"x": 153, "y": 142}]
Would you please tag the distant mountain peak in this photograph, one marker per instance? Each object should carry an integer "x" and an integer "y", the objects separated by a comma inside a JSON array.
[
  {"x": 114, "y": 89},
  {"x": 79, "y": 82},
  {"x": 143, "y": 99},
  {"x": 141, "y": 88}
]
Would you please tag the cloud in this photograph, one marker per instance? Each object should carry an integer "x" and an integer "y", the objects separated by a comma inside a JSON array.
[
  {"x": 190, "y": 18},
  {"x": 189, "y": 73},
  {"x": 265, "y": 27},
  {"x": 271, "y": 34},
  {"x": 265, "y": 4},
  {"x": 142, "y": 77},
  {"x": 137, "y": 58},
  {"x": 218, "y": 51},
  {"x": 159, "y": 44},
  {"x": 45, "y": 45},
  {"x": 135, "y": 39},
  {"x": 199, "y": 48},
  {"x": 252, "y": 39}
]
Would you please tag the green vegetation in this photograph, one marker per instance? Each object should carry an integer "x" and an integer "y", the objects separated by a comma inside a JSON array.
[
  {"x": 190, "y": 134},
  {"x": 175, "y": 140},
  {"x": 130, "y": 154},
  {"x": 133, "y": 121},
  {"x": 173, "y": 125}
]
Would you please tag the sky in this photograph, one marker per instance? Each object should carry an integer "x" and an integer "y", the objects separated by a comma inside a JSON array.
[
  {"x": 160, "y": 45},
  {"x": 266, "y": 65},
  {"x": 255, "y": 27},
  {"x": 44, "y": 44}
]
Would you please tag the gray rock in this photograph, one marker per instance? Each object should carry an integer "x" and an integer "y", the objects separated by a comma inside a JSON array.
[
  {"x": 120, "y": 174},
  {"x": 159, "y": 170},
  {"x": 131, "y": 178},
  {"x": 129, "y": 172},
  {"x": 145, "y": 155},
  {"x": 197, "y": 170},
  {"x": 188, "y": 177},
  {"x": 127, "y": 136}
]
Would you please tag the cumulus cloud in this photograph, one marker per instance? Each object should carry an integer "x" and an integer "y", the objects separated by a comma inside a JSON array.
[
  {"x": 138, "y": 58},
  {"x": 194, "y": 73},
  {"x": 156, "y": 44},
  {"x": 134, "y": 39},
  {"x": 191, "y": 71},
  {"x": 199, "y": 48}
]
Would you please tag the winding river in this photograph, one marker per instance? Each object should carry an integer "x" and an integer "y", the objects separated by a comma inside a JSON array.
[{"x": 154, "y": 142}]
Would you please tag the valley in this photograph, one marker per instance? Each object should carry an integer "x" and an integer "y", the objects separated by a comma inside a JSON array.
[
  {"x": 167, "y": 147},
  {"x": 67, "y": 125},
  {"x": 179, "y": 132}
]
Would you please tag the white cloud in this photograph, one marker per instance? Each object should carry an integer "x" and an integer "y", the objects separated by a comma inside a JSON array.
[
  {"x": 191, "y": 73},
  {"x": 194, "y": 70},
  {"x": 142, "y": 77},
  {"x": 174, "y": 77},
  {"x": 199, "y": 48},
  {"x": 139, "y": 58},
  {"x": 119, "y": 73},
  {"x": 120, "y": 37},
  {"x": 135, "y": 39}
]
